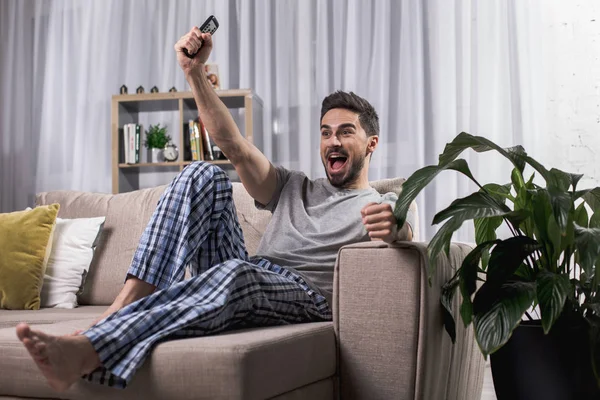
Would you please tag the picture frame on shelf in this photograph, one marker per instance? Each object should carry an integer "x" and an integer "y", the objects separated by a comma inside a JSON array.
[{"x": 212, "y": 74}]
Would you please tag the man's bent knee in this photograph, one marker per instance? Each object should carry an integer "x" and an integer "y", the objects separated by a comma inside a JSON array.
[{"x": 204, "y": 169}]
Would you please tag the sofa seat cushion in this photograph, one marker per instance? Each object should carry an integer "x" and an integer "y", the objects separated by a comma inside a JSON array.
[
  {"x": 246, "y": 364},
  {"x": 10, "y": 318}
]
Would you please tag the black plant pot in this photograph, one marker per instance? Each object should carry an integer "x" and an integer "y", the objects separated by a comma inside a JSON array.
[{"x": 556, "y": 366}]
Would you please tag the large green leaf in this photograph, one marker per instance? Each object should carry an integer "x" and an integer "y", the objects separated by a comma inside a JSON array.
[
  {"x": 466, "y": 311},
  {"x": 499, "y": 192},
  {"x": 555, "y": 239},
  {"x": 575, "y": 178},
  {"x": 446, "y": 297},
  {"x": 476, "y": 205},
  {"x": 507, "y": 256},
  {"x": 525, "y": 272},
  {"x": 440, "y": 242},
  {"x": 517, "y": 217},
  {"x": 523, "y": 202},
  {"x": 581, "y": 216},
  {"x": 563, "y": 180},
  {"x": 542, "y": 211},
  {"x": 591, "y": 196},
  {"x": 480, "y": 144},
  {"x": 537, "y": 166},
  {"x": 587, "y": 242},
  {"x": 595, "y": 220},
  {"x": 485, "y": 230},
  {"x": 419, "y": 180},
  {"x": 498, "y": 310},
  {"x": 468, "y": 278},
  {"x": 555, "y": 177},
  {"x": 552, "y": 291},
  {"x": 517, "y": 180},
  {"x": 562, "y": 204}
]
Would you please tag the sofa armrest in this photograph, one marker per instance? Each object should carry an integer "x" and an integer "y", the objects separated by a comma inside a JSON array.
[{"x": 388, "y": 323}]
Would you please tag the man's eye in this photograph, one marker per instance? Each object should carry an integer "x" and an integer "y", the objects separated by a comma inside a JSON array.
[
  {"x": 347, "y": 132},
  {"x": 325, "y": 133}
]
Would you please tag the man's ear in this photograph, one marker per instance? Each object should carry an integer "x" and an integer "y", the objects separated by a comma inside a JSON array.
[{"x": 372, "y": 142}]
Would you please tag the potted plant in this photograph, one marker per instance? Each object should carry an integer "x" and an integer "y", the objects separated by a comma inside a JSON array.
[
  {"x": 155, "y": 142},
  {"x": 547, "y": 267}
]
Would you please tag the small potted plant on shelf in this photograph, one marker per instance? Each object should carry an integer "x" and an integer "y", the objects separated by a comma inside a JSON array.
[
  {"x": 155, "y": 142},
  {"x": 533, "y": 298}
]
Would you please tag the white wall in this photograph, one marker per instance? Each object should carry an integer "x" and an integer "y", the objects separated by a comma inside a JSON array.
[{"x": 572, "y": 61}]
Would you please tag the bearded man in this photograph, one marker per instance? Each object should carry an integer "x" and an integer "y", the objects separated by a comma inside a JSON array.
[{"x": 290, "y": 280}]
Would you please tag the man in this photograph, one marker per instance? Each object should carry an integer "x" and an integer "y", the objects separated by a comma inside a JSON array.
[{"x": 195, "y": 224}]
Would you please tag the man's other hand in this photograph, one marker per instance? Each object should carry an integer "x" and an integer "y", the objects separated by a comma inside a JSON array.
[{"x": 379, "y": 221}]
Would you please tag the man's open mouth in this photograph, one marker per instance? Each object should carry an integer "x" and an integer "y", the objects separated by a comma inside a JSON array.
[{"x": 336, "y": 162}]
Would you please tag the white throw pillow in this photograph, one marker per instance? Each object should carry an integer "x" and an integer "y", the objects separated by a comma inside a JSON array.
[{"x": 73, "y": 248}]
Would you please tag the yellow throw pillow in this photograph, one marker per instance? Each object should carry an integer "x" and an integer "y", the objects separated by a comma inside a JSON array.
[{"x": 25, "y": 244}]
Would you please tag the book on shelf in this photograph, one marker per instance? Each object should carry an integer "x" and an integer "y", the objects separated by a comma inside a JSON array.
[
  {"x": 195, "y": 140},
  {"x": 207, "y": 143},
  {"x": 131, "y": 143},
  {"x": 137, "y": 143},
  {"x": 191, "y": 139},
  {"x": 125, "y": 145},
  {"x": 201, "y": 145}
]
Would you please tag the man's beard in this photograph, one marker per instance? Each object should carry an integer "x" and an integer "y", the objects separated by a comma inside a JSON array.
[{"x": 343, "y": 181}]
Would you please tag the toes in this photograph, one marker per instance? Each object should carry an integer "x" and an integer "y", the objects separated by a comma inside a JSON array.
[
  {"x": 41, "y": 336},
  {"x": 23, "y": 331},
  {"x": 29, "y": 344},
  {"x": 36, "y": 347},
  {"x": 40, "y": 348}
]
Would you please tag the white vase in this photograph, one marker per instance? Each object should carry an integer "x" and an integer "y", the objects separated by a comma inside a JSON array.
[{"x": 156, "y": 155}]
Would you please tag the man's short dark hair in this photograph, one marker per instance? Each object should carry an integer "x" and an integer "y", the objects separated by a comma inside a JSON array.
[{"x": 350, "y": 101}]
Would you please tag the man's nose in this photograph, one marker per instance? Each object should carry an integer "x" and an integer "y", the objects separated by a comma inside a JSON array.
[{"x": 334, "y": 141}]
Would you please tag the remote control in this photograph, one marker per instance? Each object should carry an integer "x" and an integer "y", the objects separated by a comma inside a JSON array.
[{"x": 209, "y": 26}]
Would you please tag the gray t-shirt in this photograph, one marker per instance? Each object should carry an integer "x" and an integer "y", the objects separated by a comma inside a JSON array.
[{"x": 311, "y": 221}]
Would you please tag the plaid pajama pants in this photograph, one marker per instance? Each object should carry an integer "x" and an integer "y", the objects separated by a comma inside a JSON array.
[{"x": 195, "y": 225}]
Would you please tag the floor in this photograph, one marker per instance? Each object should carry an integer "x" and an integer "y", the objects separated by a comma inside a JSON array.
[{"x": 488, "y": 385}]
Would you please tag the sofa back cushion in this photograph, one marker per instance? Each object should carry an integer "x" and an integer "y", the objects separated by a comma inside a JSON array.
[
  {"x": 127, "y": 214},
  {"x": 126, "y": 217}
]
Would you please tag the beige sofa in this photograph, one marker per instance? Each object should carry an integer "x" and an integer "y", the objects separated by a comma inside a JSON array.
[{"x": 386, "y": 340}]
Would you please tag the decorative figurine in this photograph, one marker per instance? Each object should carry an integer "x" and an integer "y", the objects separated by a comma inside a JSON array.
[
  {"x": 140, "y": 90},
  {"x": 172, "y": 89},
  {"x": 154, "y": 89},
  {"x": 123, "y": 89}
]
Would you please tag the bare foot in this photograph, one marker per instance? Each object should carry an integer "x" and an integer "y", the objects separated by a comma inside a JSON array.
[{"x": 61, "y": 359}]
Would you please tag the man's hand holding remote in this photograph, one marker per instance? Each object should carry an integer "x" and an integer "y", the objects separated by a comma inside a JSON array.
[{"x": 194, "y": 42}]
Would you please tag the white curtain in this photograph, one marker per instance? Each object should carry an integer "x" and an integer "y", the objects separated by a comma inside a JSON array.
[{"x": 431, "y": 68}]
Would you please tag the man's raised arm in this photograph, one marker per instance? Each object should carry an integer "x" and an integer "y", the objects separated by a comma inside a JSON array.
[{"x": 255, "y": 170}]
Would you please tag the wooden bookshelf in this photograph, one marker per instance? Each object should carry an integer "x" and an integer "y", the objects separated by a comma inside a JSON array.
[{"x": 128, "y": 108}]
